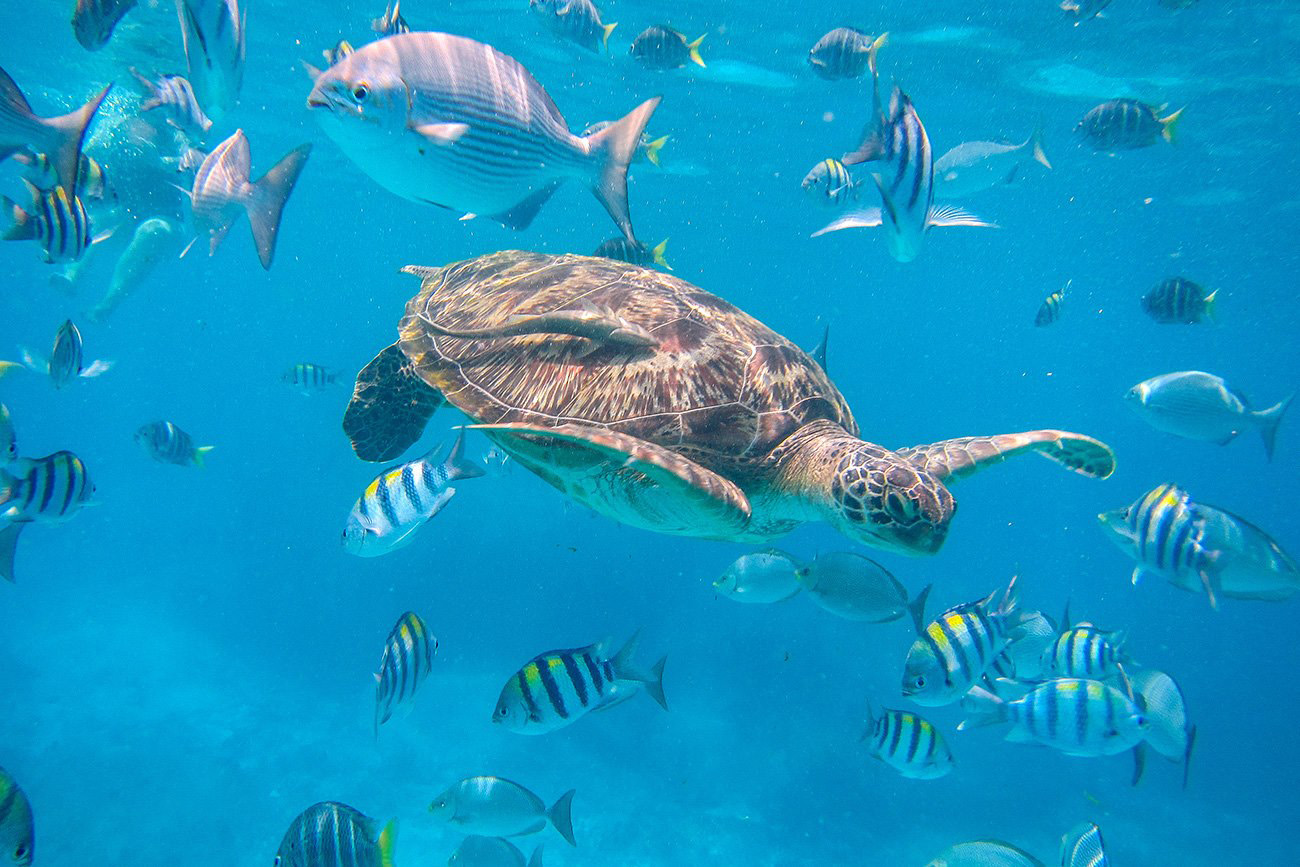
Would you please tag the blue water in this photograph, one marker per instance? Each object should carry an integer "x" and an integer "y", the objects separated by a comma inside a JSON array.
[{"x": 186, "y": 665}]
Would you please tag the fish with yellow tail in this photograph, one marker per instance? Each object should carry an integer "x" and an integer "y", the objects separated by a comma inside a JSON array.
[
  {"x": 1126, "y": 124},
  {"x": 575, "y": 20},
  {"x": 1179, "y": 301},
  {"x": 660, "y": 47},
  {"x": 634, "y": 253},
  {"x": 168, "y": 444},
  {"x": 845, "y": 52},
  {"x": 57, "y": 222},
  {"x": 332, "y": 834}
]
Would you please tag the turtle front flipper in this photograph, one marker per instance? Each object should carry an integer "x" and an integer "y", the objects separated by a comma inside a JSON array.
[
  {"x": 389, "y": 408},
  {"x": 955, "y": 459},
  {"x": 628, "y": 479}
]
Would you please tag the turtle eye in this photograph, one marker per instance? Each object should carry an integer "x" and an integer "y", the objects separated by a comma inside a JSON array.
[
  {"x": 360, "y": 91},
  {"x": 900, "y": 508}
]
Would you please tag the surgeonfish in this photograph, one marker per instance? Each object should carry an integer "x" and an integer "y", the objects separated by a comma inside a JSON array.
[
  {"x": 974, "y": 166},
  {"x": 48, "y": 490},
  {"x": 1179, "y": 301},
  {"x": 830, "y": 183},
  {"x": 175, "y": 95},
  {"x": 57, "y": 222},
  {"x": 59, "y": 138},
  {"x": 222, "y": 189},
  {"x": 984, "y": 853},
  {"x": 647, "y": 149},
  {"x": 1083, "y": 10},
  {"x": 402, "y": 499},
  {"x": 908, "y": 743},
  {"x": 17, "y": 829},
  {"x": 575, "y": 20},
  {"x": 448, "y": 121},
  {"x": 67, "y": 358},
  {"x": 330, "y": 834},
  {"x": 1082, "y": 846},
  {"x": 479, "y": 851},
  {"x": 308, "y": 377},
  {"x": 1202, "y": 406},
  {"x": 1126, "y": 124},
  {"x": 8, "y": 438},
  {"x": 168, "y": 444},
  {"x": 1076, "y": 716},
  {"x": 406, "y": 662},
  {"x": 951, "y": 654},
  {"x": 855, "y": 587},
  {"x": 845, "y": 53},
  {"x": 391, "y": 22},
  {"x": 634, "y": 252},
  {"x": 661, "y": 47},
  {"x": 558, "y": 687},
  {"x": 214, "y": 41},
  {"x": 1050, "y": 310},
  {"x": 93, "y": 20},
  {"x": 496, "y": 807},
  {"x": 762, "y": 577}
]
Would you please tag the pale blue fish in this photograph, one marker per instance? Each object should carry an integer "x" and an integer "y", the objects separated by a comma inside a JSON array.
[
  {"x": 1022, "y": 660},
  {"x": 1201, "y": 406},
  {"x": 908, "y": 743},
  {"x": 762, "y": 577},
  {"x": 175, "y": 96},
  {"x": 497, "y": 807},
  {"x": 647, "y": 150},
  {"x": 974, "y": 166},
  {"x": 17, "y": 829},
  {"x": 575, "y": 20},
  {"x": 58, "y": 137},
  {"x": 331, "y": 834},
  {"x": 984, "y": 853},
  {"x": 1082, "y": 846},
  {"x": 855, "y": 587},
  {"x": 48, "y": 490},
  {"x": 448, "y": 121},
  {"x": 406, "y": 662},
  {"x": 214, "y": 42},
  {"x": 1083, "y": 650},
  {"x": 168, "y": 444},
  {"x": 479, "y": 851}
]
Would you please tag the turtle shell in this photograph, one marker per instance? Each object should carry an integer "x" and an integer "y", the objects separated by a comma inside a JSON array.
[{"x": 720, "y": 387}]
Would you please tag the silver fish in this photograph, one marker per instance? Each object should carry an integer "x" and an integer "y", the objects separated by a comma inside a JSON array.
[
  {"x": 8, "y": 438},
  {"x": 984, "y": 853},
  {"x": 448, "y": 121},
  {"x": 17, "y": 830},
  {"x": 974, "y": 166},
  {"x": 497, "y": 807},
  {"x": 154, "y": 240},
  {"x": 855, "y": 587},
  {"x": 406, "y": 662},
  {"x": 59, "y": 137},
  {"x": 48, "y": 490},
  {"x": 222, "y": 189},
  {"x": 175, "y": 95},
  {"x": 168, "y": 444},
  {"x": 93, "y": 20},
  {"x": 478, "y": 851},
  {"x": 1083, "y": 10},
  {"x": 1022, "y": 660},
  {"x": 575, "y": 20},
  {"x": 330, "y": 834},
  {"x": 214, "y": 42},
  {"x": 762, "y": 577},
  {"x": 1082, "y": 847},
  {"x": 1202, "y": 406}
]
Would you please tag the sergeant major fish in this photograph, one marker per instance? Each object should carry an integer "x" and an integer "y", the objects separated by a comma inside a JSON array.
[
  {"x": 308, "y": 377},
  {"x": 661, "y": 47},
  {"x": 1085, "y": 651},
  {"x": 1202, "y": 406},
  {"x": 331, "y": 834},
  {"x": 448, "y": 121},
  {"x": 67, "y": 358},
  {"x": 17, "y": 829},
  {"x": 1126, "y": 124},
  {"x": 57, "y": 137},
  {"x": 1050, "y": 310},
  {"x": 175, "y": 95},
  {"x": 168, "y": 444},
  {"x": 497, "y": 807},
  {"x": 974, "y": 166},
  {"x": 406, "y": 662},
  {"x": 48, "y": 490},
  {"x": 391, "y": 21},
  {"x": 634, "y": 252},
  {"x": 1082, "y": 846},
  {"x": 93, "y": 20},
  {"x": 830, "y": 183},
  {"x": 1076, "y": 716},
  {"x": 213, "y": 37},
  {"x": 575, "y": 20},
  {"x": 762, "y": 577},
  {"x": 908, "y": 744},
  {"x": 1179, "y": 301},
  {"x": 57, "y": 222},
  {"x": 845, "y": 53}
]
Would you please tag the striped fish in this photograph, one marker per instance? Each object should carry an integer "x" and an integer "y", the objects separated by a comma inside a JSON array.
[
  {"x": 168, "y": 444},
  {"x": 48, "y": 490},
  {"x": 1126, "y": 124},
  {"x": 57, "y": 222},
  {"x": 1164, "y": 533},
  {"x": 845, "y": 53},
  {"x": 1079, "y": 717},
  {"x": 558, "y": 687},
  {"x": 448, "y": 121},
  {"x": 212, "y": 32},
  {"x": 407, "y": 660},
  {"x": 908, "y": 744},
  {"x": 175, "y": 95},
  {"x": 17, "y": 830},
  {"x": 93, "y": 20},
  {"x": 661, "y": 47},
  {"x": 330, "y": 834},
  {"x": 575, "y": 20},
  {"x": 341, "y": 49},
  {"x": 953, "y": 651},
  {"x": 58, "y": 137},
  {"x": 391, "y": 21},
  {"x": 898, "y": 141},
  {"x": 1083, "y": 847},
  {"x": 634, "y": 252},
  {"x": 1179, "y": 301},
  {"x": 222, "y": 189},
  {"x": 67, "y": 358},
  {"x": 8, "y": 438},
  {"x": 308, "y": 377},
  {"x": 92, "y": 181},
  {"x": 1050, "y": 310},
  {"x": 400, "y": 500},
  {"x": 830, "y": 183},
  {"x": 1085, "y": 651}
]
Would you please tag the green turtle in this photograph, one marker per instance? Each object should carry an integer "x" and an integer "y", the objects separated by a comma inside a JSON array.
[{"x": 721, "y": 428}]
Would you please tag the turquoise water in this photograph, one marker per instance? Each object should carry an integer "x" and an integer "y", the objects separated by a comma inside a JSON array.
[{"x": 186, "y": 666}]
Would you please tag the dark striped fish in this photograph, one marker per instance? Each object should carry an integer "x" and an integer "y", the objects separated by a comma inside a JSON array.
[
  {"x": 57, "y": 222},
  {"x": 953, "y": 652},
  {"x": 908, "y": 744},
  {"x": 48, "y": 490},
  {"x": 92, "y": 181},
  {"x": 168, "y": 444},
  {"x": 1076, "y": 716},
  {"x": 575, "y": 20},
  {"x": 341, "y": 49},
  {"x": 58, "y": 137},
  {"x": 1083, "y": 10},
  {"x": 175, "y": 95},
  {"x": 1179, "y": 301},
  {"x": 830, "y": 183},
  {"x": 1050, "y": 310},
  {"x": 391, "y": 21},
  {"x": 213, "y": 36},
  {"x": 559, "y": 687},
  {"x": 634, "y": 252},
  {"x": 223, "y": 189},
  {"x": 407, "y": 660},
  {"x": 448, "y": 121},
  {"x": 845, "y": 53},
  {"x": 401, "y": 500},
  {"x": 308, "y": 377},
  {"x": 8, "y": 438},
  {"x": 1085, "y": 651},
  {"x": 661, "y": 47},
  {"x": 1126, "y": 124},
  {"x": 330, "y": 834},
  {"x": 1082, "y": 847},
  {"x": 497, "y": 807},
  {"x": 17, "y": 830},
  {"x": 93, "y": 20},
  {"x": 67, "y": 358}
]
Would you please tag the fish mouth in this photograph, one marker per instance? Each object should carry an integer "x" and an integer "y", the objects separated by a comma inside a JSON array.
[{"x": 315, "y": 101}]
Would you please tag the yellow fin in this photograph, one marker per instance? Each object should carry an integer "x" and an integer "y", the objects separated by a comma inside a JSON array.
[
  {"x": 880, "y": 43},
  {"x": 609, "y": 28},
  {"x": 387, "y": 842},
  {"x": 653, "y": 148},
  {"x": 1209, "y": 305},
  {"x": 1170, "y": 126},
  {"x": 657, "y": 254},
  {"x": 200, "y": 453},
  {"x": 695, "y": 51}
]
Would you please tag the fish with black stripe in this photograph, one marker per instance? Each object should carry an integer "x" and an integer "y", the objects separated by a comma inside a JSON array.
[
  {"x": 1082, "y": 846},
  {"x": 175, "y": 95},
  {"x": 402, "y": 499},
  {"x": 1083, "y": 650},
  {"x": 830, "y": 183},
  {"x": 48, "y": 490},
  {"x": 93, "y": 20},
  {"x": 952, "y": 653},
  {"x": 330, "y": 834},
  {"x": 17, "y": 829},
  {"x": 661, "y": 47},
  {"x": 845, "y": 53},
  {"x": 308, "y": 377},
  {"x": 168, "y": 444},
  {"x": 556, "y": 688},
  {"x": 57, "y": 222},
  {"x": 341, "y": 49},
  {"x": 58, "y": 137},
  {"x": 575, "y": 20},
  {"x": 1126, "y": 124},
  {"x": 1050, "y": 310},
  {"x": 634, "y": 252},
  {"x": 391, "y": 21},
  {"x": 215, "y": 42},
  {"x": 66, "y": 361},
  {"x": 92, "y": 181},
  {"x": 407, "y": 660},
  {"x": 1179, "y": 301},
  {"x": 908, "y": 743}
]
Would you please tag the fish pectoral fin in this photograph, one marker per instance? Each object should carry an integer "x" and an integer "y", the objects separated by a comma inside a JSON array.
[
  {"x": 866, "y": 218},
  {"x": 467, "y": 217},
  {"x": 96, "y": 368},
  {"x": 951, "y": 215},
  {"x": 442, "y": 134}
]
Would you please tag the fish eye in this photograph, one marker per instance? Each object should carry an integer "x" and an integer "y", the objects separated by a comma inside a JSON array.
[
  {"x": 360, "y": 91},
  {"x": 919, "y": 682},
  {"x": 21, "y": 852}
]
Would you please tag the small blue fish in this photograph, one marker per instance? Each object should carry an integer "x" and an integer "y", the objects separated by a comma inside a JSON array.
[
  {"x": 407, "y": 660},
  {"x": 1202, "y": 406},
  {"x": 908, "y": 744},
  {"x": 168, "y": 444}
]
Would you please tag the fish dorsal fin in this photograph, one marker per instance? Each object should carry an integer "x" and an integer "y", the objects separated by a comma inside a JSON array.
[{"x": 951, "y": 215}]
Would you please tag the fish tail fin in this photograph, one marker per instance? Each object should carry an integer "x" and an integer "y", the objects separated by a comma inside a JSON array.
[
  {"x": 604, "y": 38},
  {"x": 1187, "y": 754},
  {"x": 98, "y": 367},
  {"x": 8, "y": 545},
  {"x": 653, "y": 148},
  {"x": 654, "y": 685},
  {"x": 1210, "y": 306},
  {"x": 657, "y": 254},
  {"x": 201, "y": 455},
  {"x": 1007, "y": 607},
  {"x": 70, "y": 129},
  {"x": 694, "y": 48},
  {"x": 1139, "y": 763},
  {"x": 535, "y": 860},
  {"x": 387, "y": 843},
  {"x": 916, "y": 608},
  {"x": 983, "y": 708},
  {"x": 269, "y": 194},
  {"x": 625, "y": 669},
  {"x": 1169, "y": 126},
  {"x": 561, "y": 816},
  {"x": 456, "y": 465},
  {"x": 881, "y": 41},
  {"x": 613, "y": 148},
  {"x": 1268, "y": 421},
  {"x": 1036, "y": 140},
  {"x": 10, "y": 366},
  {"x": 22, "y": 227}
]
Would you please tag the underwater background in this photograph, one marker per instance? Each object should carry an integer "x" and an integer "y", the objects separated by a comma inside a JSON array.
[{"x": 187, "y": 665}]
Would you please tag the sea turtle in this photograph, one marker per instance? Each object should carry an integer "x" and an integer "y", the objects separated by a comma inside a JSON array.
[{"x": 722, "y": 429}]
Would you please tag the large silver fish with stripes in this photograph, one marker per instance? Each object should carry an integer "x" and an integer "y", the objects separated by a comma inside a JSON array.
[
  {"x": 17, "y": 830},
  {"x": 1082, "y": 846},
  {"x": 1076, "y": 716},
  {"x": 448, "y": 121},
  {"x": 213, "y": 36},
  {"x": 905, "y": 179},
  {"x": 168, "y": 444},
  {"x": 559, "y": 687},
  {"x": 402, "y": 499},
  {"x": 175, "y": 96},
  {"x": 223, "y": 190},
  {"x": 952, "y": 653},
  {"x": 59, "y": 137},
  {"x": 330, "y": 834},
  {"x": 47, "y": 490},
  {"x": 407, "y": 660},
  {"x": 57, "y": 222},
  {"x": 908, "y": 743},
  {"x": 66, "y": 361}
]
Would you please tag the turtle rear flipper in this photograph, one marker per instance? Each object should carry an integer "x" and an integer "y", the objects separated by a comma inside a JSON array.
[
  {"x": 628, "y": 479},
  {"x": 957, "y": 458},
  {"x": 389, "y": 408}
]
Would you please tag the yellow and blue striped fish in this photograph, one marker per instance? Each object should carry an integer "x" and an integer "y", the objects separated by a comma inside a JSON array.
[
  {"x": 1164, "y": 533},
  {"x": 330, "y": 834},
  {"x": 1050, "y": 311},
  {"x": 48, "y": 490},
  {"x": 58, "y": 222},
  {"x": 1077, "y": 716},
  {"x": 908, "y": 743},
  {"x": 168, "y": 444},
  {"x": 407, "y": 660},
  {"x": 17, "y": 830},
  {"x": 1085, "y": 651},
  {"x": 558, "y": 687},
  {"x": 830, "y": 183},
  {"x": 1083, "y": 847}
]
